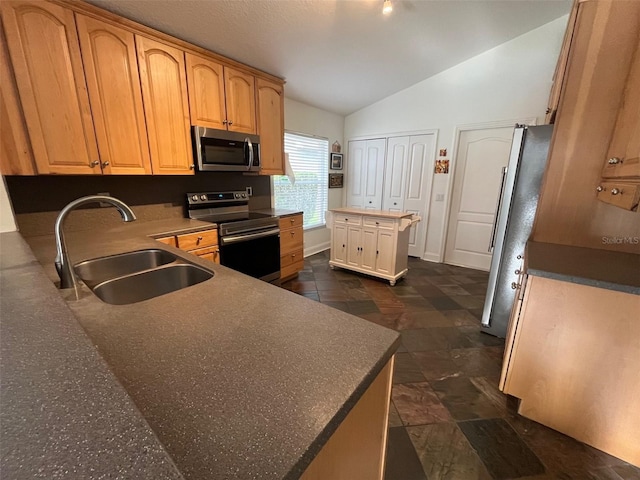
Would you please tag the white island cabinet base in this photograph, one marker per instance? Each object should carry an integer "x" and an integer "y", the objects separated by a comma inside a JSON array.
[{"x": 372, "y": 242}]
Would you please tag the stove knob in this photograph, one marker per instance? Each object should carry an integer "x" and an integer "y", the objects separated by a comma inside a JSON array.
[
  {"x": 244, "y": 195},
  {"x": 203, "y": 197},
  {"x": 237, "y": 195},
  {"x": 194, "y": 198}
]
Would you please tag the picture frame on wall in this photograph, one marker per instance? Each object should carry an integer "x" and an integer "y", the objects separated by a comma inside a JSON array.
[
  {"x": 336, "y": 180},
  {"x": 336, "y": 161}
]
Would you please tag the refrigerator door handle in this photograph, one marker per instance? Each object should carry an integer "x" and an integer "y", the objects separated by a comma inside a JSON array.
[{"x": 495, "y": 220}]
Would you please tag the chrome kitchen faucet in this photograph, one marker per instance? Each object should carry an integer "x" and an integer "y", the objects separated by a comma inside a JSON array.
[{"x": 63, "y": 265}]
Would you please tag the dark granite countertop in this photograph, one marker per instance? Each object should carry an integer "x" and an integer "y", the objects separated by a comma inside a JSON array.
[
  {"x": 63, "y": 413},
  {"x": 587, "y": 266},
  {"x": 239, "y": 379}
]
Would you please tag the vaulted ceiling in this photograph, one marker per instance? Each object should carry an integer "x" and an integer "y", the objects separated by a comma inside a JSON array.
[{"x": 342, "y": 55}]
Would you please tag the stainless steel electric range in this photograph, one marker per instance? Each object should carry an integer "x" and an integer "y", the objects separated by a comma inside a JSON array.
[{"x": 249, "y": 241}]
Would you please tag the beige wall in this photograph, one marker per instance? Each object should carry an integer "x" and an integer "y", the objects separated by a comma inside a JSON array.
[
  {"x": 509, "y": 82},
  {"x": 302, "y": 118}
]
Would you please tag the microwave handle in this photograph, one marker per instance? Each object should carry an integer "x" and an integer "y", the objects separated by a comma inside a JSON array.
[{"x": 247, "y": 140}]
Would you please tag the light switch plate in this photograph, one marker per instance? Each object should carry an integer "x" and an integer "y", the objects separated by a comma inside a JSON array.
[{"x": 439, "y": 197}]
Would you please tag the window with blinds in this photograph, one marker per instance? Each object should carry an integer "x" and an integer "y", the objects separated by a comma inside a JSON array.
[{"x": 308, "y": 190}]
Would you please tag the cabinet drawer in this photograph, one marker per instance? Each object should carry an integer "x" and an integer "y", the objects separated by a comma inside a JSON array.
[
  {"x": 291, "y": 240},
  {"x": 624, "y": 168},
  {"x": 291, "y": 269},
  {"x": 348, "y": 219},
  {"x": 213, "y": 256},
  {"x": 378, "y": 222},
  {"x": 291, "y": 222},
  {"x": 190, "y": 241},
  {"x": 168, "y": 240},
  {"x": 289, "y": 258},
  {"x": 623, "y": 195}
]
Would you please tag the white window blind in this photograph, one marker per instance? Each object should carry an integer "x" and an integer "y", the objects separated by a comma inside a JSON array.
[{"x": 309, "y": 159}]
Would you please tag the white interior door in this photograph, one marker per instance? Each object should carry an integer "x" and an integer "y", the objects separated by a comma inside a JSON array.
[
  {"x": 476, "y": 186},
  {"x": 355, "y": 172},
  {"x": 395, "y": 174},
  {"x": 374, "y": 172},
  {"x": 419, "y": 178}
]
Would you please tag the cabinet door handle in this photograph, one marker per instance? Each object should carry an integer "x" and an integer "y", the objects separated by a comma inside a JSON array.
[
  {"x": 192, "y": 166},
  {"x": 600, "y": 188},
  {"x": 614, "y": 161},
  {"x": 230, "y": 123},
  {"x": 293, "y": 233},
  {"x": 343, "y": 245},
  {"x": 105, "y": 164},
  {"x": 616, "y": 191},
  {"x": 224, "y": 122},
  {"x": 293, "y": 221},
  {"x": 377, "y": 252},
  {"x": 95, "y": 163}
]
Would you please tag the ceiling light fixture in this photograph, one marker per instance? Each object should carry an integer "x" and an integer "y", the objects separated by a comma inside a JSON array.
[{"x": 387, "y": 8}]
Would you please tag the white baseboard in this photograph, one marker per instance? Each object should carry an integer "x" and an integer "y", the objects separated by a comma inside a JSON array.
[
  {"x": 321, "y": 247},
  {"x": 431, "y": 257}
]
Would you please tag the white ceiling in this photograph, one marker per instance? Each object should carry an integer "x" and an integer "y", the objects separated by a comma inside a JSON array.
[{"x": 342, "y": 55}]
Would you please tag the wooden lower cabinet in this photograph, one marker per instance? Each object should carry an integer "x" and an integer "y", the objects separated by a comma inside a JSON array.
[
  {"x": 572, "y": 358},
  {"x": 211, "y": 254},
  {"x": 203, "y": 244},
  {"x": 291, "y": 245},
  {"x": 356, "y": 450}
]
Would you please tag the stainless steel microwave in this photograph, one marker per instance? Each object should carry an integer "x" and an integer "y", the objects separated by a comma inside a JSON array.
[{"x": 223, "y": 151}]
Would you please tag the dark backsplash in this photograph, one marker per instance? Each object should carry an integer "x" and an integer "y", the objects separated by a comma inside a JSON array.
[{"x": 46, "y": 193}]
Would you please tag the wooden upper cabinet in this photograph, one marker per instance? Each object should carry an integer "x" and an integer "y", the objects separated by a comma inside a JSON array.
[
  {"x": 45, "y": 54},
  {"x": 166, "y": 106},
  {"x": 623, "y": 157},
  {"x": 240, "y": 100},
  {"x": 270, "y": 113},
  {"x": 206, "y": 92},
  {"x": 16, "y": 157},
  {"x": 561, "y": 65},
  {"x": 111, "y": 69}
]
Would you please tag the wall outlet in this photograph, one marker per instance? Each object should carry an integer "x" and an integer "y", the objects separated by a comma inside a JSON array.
[
  {"x": 439, "y": 197},
  {"x": 249, "y": 191}
]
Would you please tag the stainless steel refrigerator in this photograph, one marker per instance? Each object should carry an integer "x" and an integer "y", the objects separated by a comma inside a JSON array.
[{"x": 517, "y": 204}]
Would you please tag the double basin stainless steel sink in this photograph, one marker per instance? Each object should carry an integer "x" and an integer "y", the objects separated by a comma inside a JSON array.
[{"x": 136, "y": 276}]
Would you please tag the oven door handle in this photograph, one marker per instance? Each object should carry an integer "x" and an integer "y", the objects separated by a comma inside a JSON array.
[{"x": 251, "y": 236}]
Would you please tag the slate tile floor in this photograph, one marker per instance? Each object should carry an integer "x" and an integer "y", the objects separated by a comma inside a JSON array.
[{"x": 448, "y": 420}]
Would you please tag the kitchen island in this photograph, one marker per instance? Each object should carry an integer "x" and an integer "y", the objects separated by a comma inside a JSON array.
[
  {"x": 237, "y": 378},
  {"x": 373, "y": 242}
]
